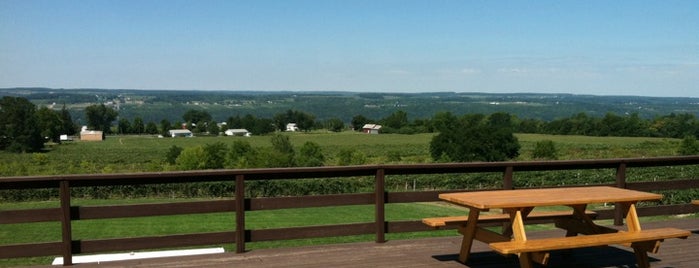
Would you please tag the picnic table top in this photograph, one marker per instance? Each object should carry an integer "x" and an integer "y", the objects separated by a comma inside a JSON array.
[{"x": 485, "y": 200}]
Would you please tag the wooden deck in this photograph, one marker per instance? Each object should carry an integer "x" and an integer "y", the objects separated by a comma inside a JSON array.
[{"x": 434, "y": 252}]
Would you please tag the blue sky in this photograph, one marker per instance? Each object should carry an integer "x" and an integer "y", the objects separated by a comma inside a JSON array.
[{"x": 648, "y": 48}]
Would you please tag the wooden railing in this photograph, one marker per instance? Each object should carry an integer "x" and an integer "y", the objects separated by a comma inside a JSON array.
[{"x": 239, "y": 235}]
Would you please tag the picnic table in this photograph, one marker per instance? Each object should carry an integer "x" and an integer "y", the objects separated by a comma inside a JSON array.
[{"x": 518, "y": 205}]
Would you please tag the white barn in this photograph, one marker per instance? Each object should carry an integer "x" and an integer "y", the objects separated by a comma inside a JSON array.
[
  {"x": 292, "y": 127},
  {"x": 180, "y": 133},
  {"x": 237, "y": 132},
  {"x": 371, "y": 128}
]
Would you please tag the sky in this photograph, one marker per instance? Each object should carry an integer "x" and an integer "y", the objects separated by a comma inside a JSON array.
[{"x": 642, "y": 48}]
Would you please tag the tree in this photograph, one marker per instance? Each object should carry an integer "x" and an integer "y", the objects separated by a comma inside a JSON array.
[
  {"x": 214, "y": 155},
  {"x": 100, "y": 117},
  {"x": 358, "y": 122},
  {"x": 335, "y": 124},
  {"x": 18, "y": 126},
  {"x": 165, "y": 126},
  {"x": 50, "y": 124},
  {"x": 151, "y": 128},
  {"x": 311, "y": 155},
  {"x": 196, "y": 116},
  {"x": 282, "y": 154},
  {"x": 68, "y": 127},
  {"x": 500, "y": 120},
  {"x": 676, "y": 125},
  {"x": 545, "y": 149},
  {"x": 689, "y": 146},
  {"x": 242, "y": 155},
  {"x": 396, "y": 120},
  {"x": 138, "y": 127},
  {"x": 346, "y": 157},
  {"x": 172, "y": 154},
  {"x": 474, "y": 141},
  {"x": 123, "y": 126},
  {"x": 257, "y": 126},
  {"x": 444, "y": 121},
  {"x": 304, "y": 121},
  {"x": 192, "y": 158},
  {"x": 530, "y": 126},
  {"x": 212, "y": 128}
]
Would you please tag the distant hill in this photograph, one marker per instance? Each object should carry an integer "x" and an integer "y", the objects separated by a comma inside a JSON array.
[{"x": 155, "y": 105}]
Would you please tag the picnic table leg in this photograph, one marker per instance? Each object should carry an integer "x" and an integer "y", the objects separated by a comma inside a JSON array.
[
  {"x": 525, "y": 260},
  {"x": 632, "y": 222},
  {"x": 507, "y": 227},
  {"x": 641, "y": 257},
  {"x": 634, "y": 225},
  {"x": 469, "y": 232}
]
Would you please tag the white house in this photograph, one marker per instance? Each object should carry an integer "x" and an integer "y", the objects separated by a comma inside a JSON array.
[
  {"x": 180, "y": 133},
  {"x": 371, "y": 128},
  {"x": 292, "y": 127},
  {"x": 237, "y": 132}
]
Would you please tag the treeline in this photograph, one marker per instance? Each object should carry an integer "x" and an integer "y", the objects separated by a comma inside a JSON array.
[
  {"x": 23, "y": 128},
  {"x": 632, "y": 125}
]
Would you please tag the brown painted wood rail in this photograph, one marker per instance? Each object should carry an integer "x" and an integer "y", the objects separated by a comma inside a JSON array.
[{"x": 239, "y": 235}]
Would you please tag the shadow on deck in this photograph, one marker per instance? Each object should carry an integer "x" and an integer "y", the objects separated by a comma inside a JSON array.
[{"x": 435, "y": 252}]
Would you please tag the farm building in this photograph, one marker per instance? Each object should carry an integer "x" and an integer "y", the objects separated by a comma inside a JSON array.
[
  {"x": 180, "y": 133},
  {"x": 91, "y": 135},
  {"x": 237, "y": 132},
  {"x": 292, "y": 127},
  {"x": 371, "y": 128}
]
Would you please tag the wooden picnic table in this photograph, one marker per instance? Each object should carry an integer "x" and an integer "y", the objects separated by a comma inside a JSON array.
[{"x": 520, "y": 203}]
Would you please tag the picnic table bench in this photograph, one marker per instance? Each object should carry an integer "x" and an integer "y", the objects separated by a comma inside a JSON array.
[
  {"x": 534, "y": 216},
  {"x": 519, "y": 205}
]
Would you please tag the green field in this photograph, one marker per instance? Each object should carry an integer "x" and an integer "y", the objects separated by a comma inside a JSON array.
[{"x": 118, "y": 154}]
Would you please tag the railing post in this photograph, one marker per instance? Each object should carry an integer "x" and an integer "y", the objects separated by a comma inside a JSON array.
[
  {"x": 66, "y": 229},
  {"x": 619, "y": 214},
  {"x": 240, "y": 235},
  {"x": 379, "y": 202},
  {"x": 507, "y": 183}
]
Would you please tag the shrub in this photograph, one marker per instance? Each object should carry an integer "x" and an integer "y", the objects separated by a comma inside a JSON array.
[
  {"x": 477, "y": 142},
  {"x": 192, "y": 158},
  {"x": 689, "y": 146},
  {"x": 545, "y": 149},
  {"x": 310, "y": 155},
  {"x": 172, "y": 154}
]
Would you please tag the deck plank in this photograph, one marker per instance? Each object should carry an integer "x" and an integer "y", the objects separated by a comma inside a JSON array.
[{"x": 435, "y": 252}]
